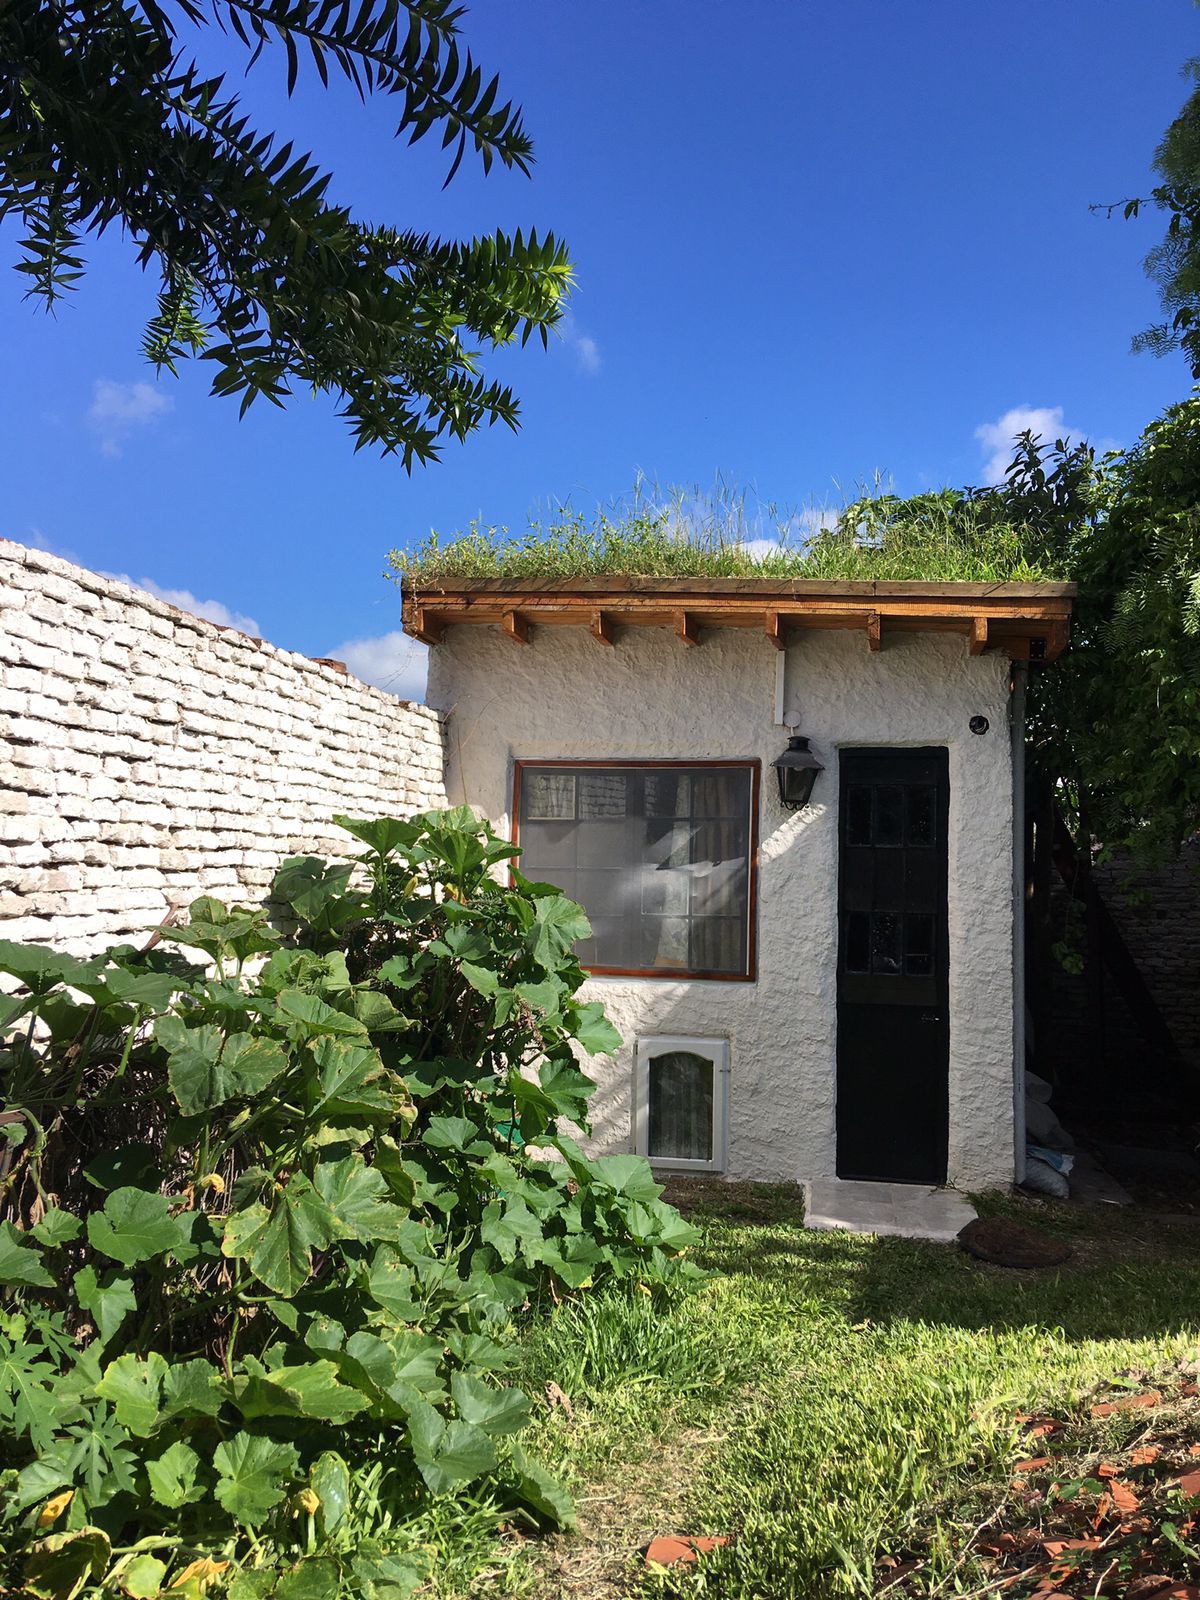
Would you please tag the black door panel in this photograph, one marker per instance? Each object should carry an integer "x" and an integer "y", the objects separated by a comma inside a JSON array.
[{"x": 893, "y": 967}]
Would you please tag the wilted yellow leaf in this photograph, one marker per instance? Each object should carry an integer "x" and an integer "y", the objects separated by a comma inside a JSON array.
[
  {"x": 213, "y": 1181},
  {"x": 308, "y": 1501}
]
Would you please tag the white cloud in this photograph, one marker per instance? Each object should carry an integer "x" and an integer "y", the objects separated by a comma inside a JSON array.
[
  {"x": 584, "y": 348},
  {"x": 392, "y": 661},
  {"x": 118, "y": 409},
  {"x": 997, "y": 438},
  {"x": 210, "y": 610}
]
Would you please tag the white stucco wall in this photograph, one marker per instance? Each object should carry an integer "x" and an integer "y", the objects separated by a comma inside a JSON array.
[{"x": 565, "y": 695}]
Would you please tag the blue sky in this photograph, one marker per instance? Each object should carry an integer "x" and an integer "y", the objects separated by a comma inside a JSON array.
[{"x": 814, "y": 242}]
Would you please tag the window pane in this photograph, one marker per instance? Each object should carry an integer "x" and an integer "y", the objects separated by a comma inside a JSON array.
[
  {"x": 681, "y": 1107},
  {"x": 858, "y": 942},
  {"x": 547, "y": 795},
  {"x": 602, "y": 794},
  {"x": 659, "y": 857},
  {"x": 668, "y": 794},
  {"x": 918, "y": 945}
]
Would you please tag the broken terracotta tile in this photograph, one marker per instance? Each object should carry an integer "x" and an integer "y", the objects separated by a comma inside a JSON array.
[
  {"x": 1129, "y": 1402},
  {"x": 676, "y": 1550},
  {"x": 1034, "y": 1464},
  {"x": 1123, "y": 1497},
  {"x": 1189, "y": 1483},
  {"x": 1146, "y": 1455}
]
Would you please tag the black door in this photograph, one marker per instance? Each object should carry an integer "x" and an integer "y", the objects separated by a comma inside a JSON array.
[{"x": 893, "y": 1023}]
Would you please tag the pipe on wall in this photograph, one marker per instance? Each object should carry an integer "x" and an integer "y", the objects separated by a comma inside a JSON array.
[{"x": 1020, "y": 678}]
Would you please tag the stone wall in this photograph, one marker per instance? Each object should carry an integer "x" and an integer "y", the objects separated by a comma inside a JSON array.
[{"x": 147, "y": 756}]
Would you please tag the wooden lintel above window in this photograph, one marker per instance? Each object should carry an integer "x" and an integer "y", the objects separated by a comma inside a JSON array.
[{"x": 1026, "y": 621}]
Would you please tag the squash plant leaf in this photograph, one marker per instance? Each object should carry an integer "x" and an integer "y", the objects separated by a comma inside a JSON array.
[
  {"x": 558, "y": 925},
  {"x": 20, "y": 1262},
  {"x": 174, "y": 1476},
  {"x": 57, "y": 1567},
  {"x": 135, "y": 1226},
  {"x": 310, "y": 1390},
  {"x": 206, "y": 1067},
  {"x": 355, "y": 1194},
  {"x": 541, "y": 1492},
  {"x": 448, "y": 1454},
  {"x": 133, "y": 1388},
  {"x": 496, "y": 1411},
  {"x": 57, "y": 1227},
  {"x": 277, "y": 1242},
  {"x": 253, "y": 1474}
]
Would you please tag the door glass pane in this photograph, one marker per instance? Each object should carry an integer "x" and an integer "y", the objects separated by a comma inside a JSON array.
[
  {"x": 858, "y": 942},
  {"x": 886, "y": 942},
  {"x": 889, "y": 815},
  {"x": 858, "y": 814},
  {"x": 919, "y": 816},
  {"x": 681, "y": 1107},
  {"x": 918, "y": 945}
]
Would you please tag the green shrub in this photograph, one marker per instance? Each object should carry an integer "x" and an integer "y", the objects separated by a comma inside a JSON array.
[{"x": 268, "y": 1221}]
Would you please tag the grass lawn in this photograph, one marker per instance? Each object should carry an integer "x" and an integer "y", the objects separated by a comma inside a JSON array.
[{"x": 828, "y": 1400}]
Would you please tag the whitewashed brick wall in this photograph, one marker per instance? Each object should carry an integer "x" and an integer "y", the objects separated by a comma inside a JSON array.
[{"x": 147, "y": 756}]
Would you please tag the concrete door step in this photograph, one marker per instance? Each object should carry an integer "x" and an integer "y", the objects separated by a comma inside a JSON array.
[{"x": 903, "y": 1210}]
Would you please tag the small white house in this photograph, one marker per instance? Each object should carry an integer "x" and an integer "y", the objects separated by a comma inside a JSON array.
[{"x": 810, "y": 983}]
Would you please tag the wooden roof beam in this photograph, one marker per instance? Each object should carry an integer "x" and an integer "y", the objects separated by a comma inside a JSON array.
[
  {"x": 874, "y": 631},
  {"x": 603, "y": 628},
  {"x": 776, "y": 630},
  {"x": 979, "y": 635},
  {"x": 516, "y": 627},
  {"x": 427, "y": 627},
  {"x": 687, "y": 628}
]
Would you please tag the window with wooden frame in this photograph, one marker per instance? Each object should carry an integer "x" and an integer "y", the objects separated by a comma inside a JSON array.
[{"x": 662, "y": 856}]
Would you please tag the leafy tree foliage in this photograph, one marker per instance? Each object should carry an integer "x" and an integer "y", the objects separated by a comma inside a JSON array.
[
  {"x": 1174, "y": 264},
  {"x": 1114, "y": 724},
  {"x": 268, "y": 1222},
  {"x": 106, "y": 121}
]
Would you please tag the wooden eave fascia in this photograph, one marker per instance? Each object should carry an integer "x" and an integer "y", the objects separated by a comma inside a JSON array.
[{"x": 1027, "y": 621}]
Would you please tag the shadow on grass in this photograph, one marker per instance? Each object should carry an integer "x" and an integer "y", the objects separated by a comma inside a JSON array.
[{"x": 1129, "y": 1276}]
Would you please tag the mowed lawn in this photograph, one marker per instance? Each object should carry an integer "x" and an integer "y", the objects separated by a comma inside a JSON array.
[{"x": 827, "y": 1400}]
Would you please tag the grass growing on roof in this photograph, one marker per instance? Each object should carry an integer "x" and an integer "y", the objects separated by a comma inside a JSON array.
[
  {"x": 828, "y": 1399},
  {"x": 942, "y": 536}
]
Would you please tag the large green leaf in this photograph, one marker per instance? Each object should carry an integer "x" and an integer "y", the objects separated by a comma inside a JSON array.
[
  {"x": 381, "y": 1573},
  {"x": 591, "y": 1027},
  {"x": 30, "y": 1400},
  {"x": 108, "y": 1300},
  {"x": 191, "y": 1389},
  {"x": 309, "y": 1390},
  {"x": 57, "y": 1227},
  {"x": 135, "y": 1226},
  {"x": 350, "y": 1080},
  {"x": 205, "y": 1068},
  {"x": 496, "y": 1411},
  {"x": 254, "y": 1473},
  {"x": 568, "y": 1089},
  {"x": 357, "y": 1199},
  {"x": 450, "y": 1133},
  {"x": 448, "y": 1454},
  {"x": 542, "y": 1493},
  {"x": 307, "y": 1017},
  {"x": 314, "y": 890},
  {"x": 133, "y": 1388},
  {"x": 393, "y": 1366},
  {"x": 41, "y": 969},
  {"x": 511, "y": 1230},
  {"x": 329, "y": 1479},
  {"x": 174, "y": 1476},
  {"x": 384, "y": 835},
  {"x": 626, "y": 1175},
  {"x": 558, "y": 925},
  {"x": 142, "y": 1576},
  {"x": 276, "y": 1241},
  {"x": 20, "y": 1262}
]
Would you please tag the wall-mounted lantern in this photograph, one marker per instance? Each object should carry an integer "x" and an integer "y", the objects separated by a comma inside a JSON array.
[{"x": 797, "y": 770}]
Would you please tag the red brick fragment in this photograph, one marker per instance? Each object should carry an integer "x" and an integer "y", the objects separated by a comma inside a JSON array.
[
  {"x": 1189, "y": 1483},
  {"x": 1034, "y": 1464},
  {"x": 1129, "y": 1402},
  {"x": 1146, "y": 1456},
  {"x": 677, "y": 1550}
]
